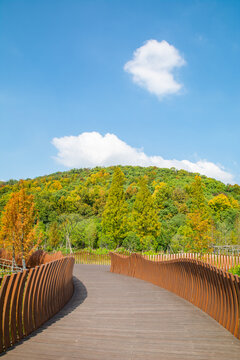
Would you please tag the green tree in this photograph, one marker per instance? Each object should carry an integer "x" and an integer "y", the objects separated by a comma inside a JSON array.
[
  {"x": 144, "y": 215},
  {"x": 114, "y": 218},
  {"x": 91, "y": 233},
  {"x": 54, "y": 234},
  {"x": 132, "y": 242},
  {"x": 69, "y": 223}
]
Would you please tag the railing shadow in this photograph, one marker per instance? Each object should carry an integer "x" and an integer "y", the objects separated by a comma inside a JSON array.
[{"x": 79, "y": 296}]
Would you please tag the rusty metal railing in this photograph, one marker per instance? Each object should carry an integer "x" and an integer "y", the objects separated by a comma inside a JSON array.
[
  {"x": 221, "y": 261},
  {"x": 224, "y": 262},
  {"x": 83, "y": 257},
  {"x": 211, "y": 289},
  {"x": 30, "y": 297}
]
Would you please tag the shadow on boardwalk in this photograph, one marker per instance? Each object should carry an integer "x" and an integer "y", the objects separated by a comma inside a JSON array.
[{"x": 79, "y": 295}]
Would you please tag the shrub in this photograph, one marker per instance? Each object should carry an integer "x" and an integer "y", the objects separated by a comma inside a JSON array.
[{"x": 235, "y": 270}]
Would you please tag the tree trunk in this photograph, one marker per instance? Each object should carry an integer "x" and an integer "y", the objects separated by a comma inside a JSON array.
[
  {"x": 13, "y": 258},
  {"x": 23, "y": 256},
  {"x": 69, "y": 243}
]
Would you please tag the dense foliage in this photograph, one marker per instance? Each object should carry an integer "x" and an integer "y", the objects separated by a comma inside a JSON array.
[
  {"x": 235, "y": 270},
  {"x": 133, "y": 207}
]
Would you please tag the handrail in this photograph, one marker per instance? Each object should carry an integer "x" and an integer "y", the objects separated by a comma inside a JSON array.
[
  {"x": 211, "y": 289},
  {"x": 221, "y": 261},
  {"x": 224, "y": 262},
  {"x": 30, "y": 297},
  {"x": 7, "y": 264},
  {"x": 83, "y": 257}
]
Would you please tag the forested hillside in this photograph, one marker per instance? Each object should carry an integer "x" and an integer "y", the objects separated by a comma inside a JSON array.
[{"x": 132, "y": 207}]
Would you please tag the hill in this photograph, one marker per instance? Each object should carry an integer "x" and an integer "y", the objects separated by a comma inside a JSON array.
[{"x": 188, "y": 207}]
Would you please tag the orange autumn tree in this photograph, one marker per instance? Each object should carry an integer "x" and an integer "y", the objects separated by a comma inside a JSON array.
[
  {"x": 8, "y": 235},
  {"x": 19, "y": 226}
]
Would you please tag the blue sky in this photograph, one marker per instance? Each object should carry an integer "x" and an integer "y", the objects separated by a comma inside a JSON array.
[{"x": 63, "y": 76}]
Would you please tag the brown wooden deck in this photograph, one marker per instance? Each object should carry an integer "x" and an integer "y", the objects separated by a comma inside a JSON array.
[{"x": 117, "y": 317}]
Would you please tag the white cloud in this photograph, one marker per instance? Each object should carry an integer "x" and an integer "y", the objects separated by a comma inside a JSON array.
[
  {"x": 91, "y": 149},
  {"x": 152, "y": 66}
]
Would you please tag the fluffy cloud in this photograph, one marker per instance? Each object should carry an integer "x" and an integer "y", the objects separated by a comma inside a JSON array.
[
  {"x": 91, "y": 149},
  {"x": 152, "y": 67}
]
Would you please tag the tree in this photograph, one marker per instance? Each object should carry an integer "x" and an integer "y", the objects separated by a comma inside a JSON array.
[
  {"x": 54, "y": 234},
  {"x": 69, "y": 223},
  {"x": 198, "y": 233},
  {"x": 132, "y": 242},
  {"x": 144, "y": 215},
  {"x": 199, "y": 225},
  {"x": 8, "y": 234},
  {"x": 91, "y": 233},
  {"x": 114, "y": 218},
  {"x": 161, "y": 194},
  {"x": 197, "y": 193},
  {"x": 19, "y": 225},
  {"x": 236, "y": 231},
  {"x": 219, "y": 203},
  {"x": 179, "y": 197}
]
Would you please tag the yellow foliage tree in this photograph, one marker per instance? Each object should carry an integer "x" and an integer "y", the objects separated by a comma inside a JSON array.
[
  {"x": 197, "y": 193},
  {"x": 198, "y": 232},
  {"x": 220, "y": 203},
  {"x": 161, "y": 194},
  {"x": 97, "y": 178},
  {"x": 234, "y": 203}
]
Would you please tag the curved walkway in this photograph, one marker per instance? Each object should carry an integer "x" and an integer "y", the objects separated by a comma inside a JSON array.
[{"x": 117, "y": 317}]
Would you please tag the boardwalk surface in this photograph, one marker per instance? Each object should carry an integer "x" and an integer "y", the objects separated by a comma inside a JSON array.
[{"x": 117, "y": 317}]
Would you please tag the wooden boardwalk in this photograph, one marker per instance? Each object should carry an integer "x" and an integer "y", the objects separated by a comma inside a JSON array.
[{"x": 117, "y": 317}]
